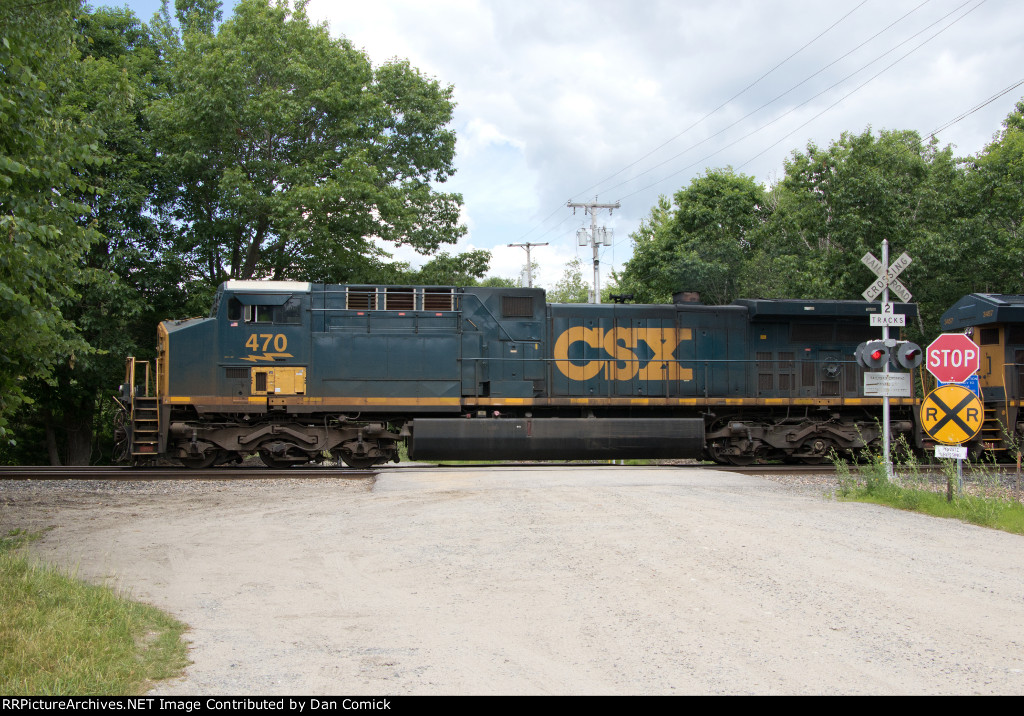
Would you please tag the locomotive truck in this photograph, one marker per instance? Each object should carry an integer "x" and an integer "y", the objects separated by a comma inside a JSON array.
[{"x": 301, "y": 372}]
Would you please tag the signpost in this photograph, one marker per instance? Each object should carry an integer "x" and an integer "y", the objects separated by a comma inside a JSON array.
[
  {"x": 885, "y": 282},
  {"x": 953, "y": 413}
]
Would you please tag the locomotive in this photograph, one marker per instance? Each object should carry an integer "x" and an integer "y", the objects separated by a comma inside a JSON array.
[{"x": 301, "y": 372}]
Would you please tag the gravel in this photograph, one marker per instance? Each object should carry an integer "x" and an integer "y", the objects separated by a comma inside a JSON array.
[{"x": 531, "y": 580}]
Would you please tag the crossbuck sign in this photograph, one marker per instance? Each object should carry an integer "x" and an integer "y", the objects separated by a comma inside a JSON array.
[{"x": 886, "y": 277}]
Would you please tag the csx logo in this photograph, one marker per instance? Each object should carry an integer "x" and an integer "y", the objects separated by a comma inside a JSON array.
[{"x": 622, "y": 361}]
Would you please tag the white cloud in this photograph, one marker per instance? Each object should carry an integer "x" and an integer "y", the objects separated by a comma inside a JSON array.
[{"x": 556, "y": 97}]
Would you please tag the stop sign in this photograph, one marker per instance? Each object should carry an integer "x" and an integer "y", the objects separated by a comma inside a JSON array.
[{"x": 953, "y": 358}]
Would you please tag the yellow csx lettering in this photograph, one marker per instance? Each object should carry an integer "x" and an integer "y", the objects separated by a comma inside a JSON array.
[{"x": 619, "y": 343}]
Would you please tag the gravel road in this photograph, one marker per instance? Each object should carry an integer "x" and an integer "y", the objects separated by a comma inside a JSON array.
[{"x": 526, "y": 580}]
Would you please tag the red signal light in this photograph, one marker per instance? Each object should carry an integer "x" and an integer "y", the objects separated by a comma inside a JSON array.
[{"x": 876, "y": 355}]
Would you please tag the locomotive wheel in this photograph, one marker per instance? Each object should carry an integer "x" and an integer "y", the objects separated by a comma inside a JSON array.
[
  {"x": 275, "y": 462},
  {"x": 727, "y": 459},
  {"x": 716, "y": 456},
  {"x": 822, "y": 451},
  {"x": 359, "y": 463},
  {"x": 122, "y": 441},
  {"x": 199, "y": 462}
]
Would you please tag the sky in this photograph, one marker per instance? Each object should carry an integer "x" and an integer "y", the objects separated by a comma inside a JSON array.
[{"x": 613, "y": 101}]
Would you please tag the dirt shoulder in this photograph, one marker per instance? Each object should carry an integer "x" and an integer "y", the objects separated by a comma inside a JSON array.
[{"x": 581, "y": 580}]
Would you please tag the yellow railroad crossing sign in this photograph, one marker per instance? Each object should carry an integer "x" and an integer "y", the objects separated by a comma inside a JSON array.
[{"x": 952, "y": 414}]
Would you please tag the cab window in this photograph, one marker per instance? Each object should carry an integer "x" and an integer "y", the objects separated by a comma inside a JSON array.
[
  {"x": 289, "y": 312},
  {"x": 259, "y": 314}
]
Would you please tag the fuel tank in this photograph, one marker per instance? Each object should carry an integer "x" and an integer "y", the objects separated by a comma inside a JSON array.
[{"x": 555, "y": 438}]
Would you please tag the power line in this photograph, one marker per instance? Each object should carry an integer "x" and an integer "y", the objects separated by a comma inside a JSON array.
[
  {"x": 706, "y": 116},
  {"x": 974, "y": 109},
  {"x": 824, "y": 91},
  {"x": 778, "y": 97},
  {"x": 870, "y": 79},
  {"x": 730, "y": 100}
]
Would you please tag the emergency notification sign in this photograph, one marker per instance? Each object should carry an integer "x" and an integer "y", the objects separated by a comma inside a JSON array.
[{"x": 953, "y": 358}]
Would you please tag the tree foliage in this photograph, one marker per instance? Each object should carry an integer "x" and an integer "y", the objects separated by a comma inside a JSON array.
[
  {"x": 289, "y": 152},
  {"x": 47, "y": 156},
  {"x": 571, "y": 288},
  {"x": 960, "y": 220},
  {"x": 698, "y": 243}
]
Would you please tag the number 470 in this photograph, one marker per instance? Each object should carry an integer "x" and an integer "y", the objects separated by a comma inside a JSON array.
[{"x": 280, "y": 342}]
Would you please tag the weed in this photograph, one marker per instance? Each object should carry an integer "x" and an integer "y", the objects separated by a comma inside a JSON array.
[{"x": 918, "y": 487}]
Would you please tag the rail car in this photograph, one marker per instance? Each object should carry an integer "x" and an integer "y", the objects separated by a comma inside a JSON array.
[{"x": 301, "y": 372}]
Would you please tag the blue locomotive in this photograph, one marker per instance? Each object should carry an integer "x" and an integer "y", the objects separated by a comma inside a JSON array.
[{"x": 297, "y": 372}]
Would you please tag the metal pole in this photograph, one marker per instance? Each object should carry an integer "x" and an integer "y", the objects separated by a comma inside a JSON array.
[
  {"x": 885, "y": 339},
  {"x": 529, "y": 265},
  {"x": 597, "y": 262},
  {"x": 595, "y": 242}
]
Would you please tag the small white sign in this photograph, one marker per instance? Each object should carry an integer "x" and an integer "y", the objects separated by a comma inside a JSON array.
[
  {"x": 887, "y": 385},
  {"x": 951, "y": 452},
  {"x": 893, "y": 319}
]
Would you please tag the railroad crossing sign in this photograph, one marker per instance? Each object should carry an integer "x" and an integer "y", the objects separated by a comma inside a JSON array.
[
  {"x": 886, "y": 277},
  {"x": 952, "y": 414},
  {"x": 953, "y": 358}
]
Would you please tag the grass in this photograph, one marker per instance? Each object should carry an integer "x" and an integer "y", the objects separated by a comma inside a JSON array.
[
  {"x": 61, "y": 636},
  {"x": 934, "y": 489}
]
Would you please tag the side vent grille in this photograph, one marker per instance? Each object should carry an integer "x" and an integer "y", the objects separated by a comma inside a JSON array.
[
  {"x": 517, "y": 306},
  {"x": 360, "y": 298},
  {"x": 438, "y": 299}
]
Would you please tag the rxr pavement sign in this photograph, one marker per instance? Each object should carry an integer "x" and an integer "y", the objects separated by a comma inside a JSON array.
[{"x": 951, "y": 414}]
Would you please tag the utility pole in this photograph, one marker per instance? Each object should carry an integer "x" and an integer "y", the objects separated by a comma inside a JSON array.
[
  {"x": 595, "y": 238},
  {"x": 529, "y": 266}
]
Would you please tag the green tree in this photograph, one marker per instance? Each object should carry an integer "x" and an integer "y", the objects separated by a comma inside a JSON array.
[
  {"x": 500, "y": 282},
  {"x": 199, "y": 16},
  {"x": 127, "y": 281},
  {"x": 993, "y": 191},
  {"x": 837, "y": 204},
  {"x": 464, "y": 269},
  {"x": 700, "y": 242},
  {"x": 290, "y": 152},
  {"x": 47, "y": 157},
  {"x": 571, "y": 288}
]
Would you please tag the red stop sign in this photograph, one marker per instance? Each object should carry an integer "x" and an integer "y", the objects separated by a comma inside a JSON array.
[{"x": 953, "y": 358}]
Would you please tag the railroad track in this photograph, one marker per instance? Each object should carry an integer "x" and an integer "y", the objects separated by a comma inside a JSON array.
[
  {"x": 99, "y": 472},
  {"x": 45, "y": 472}
]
